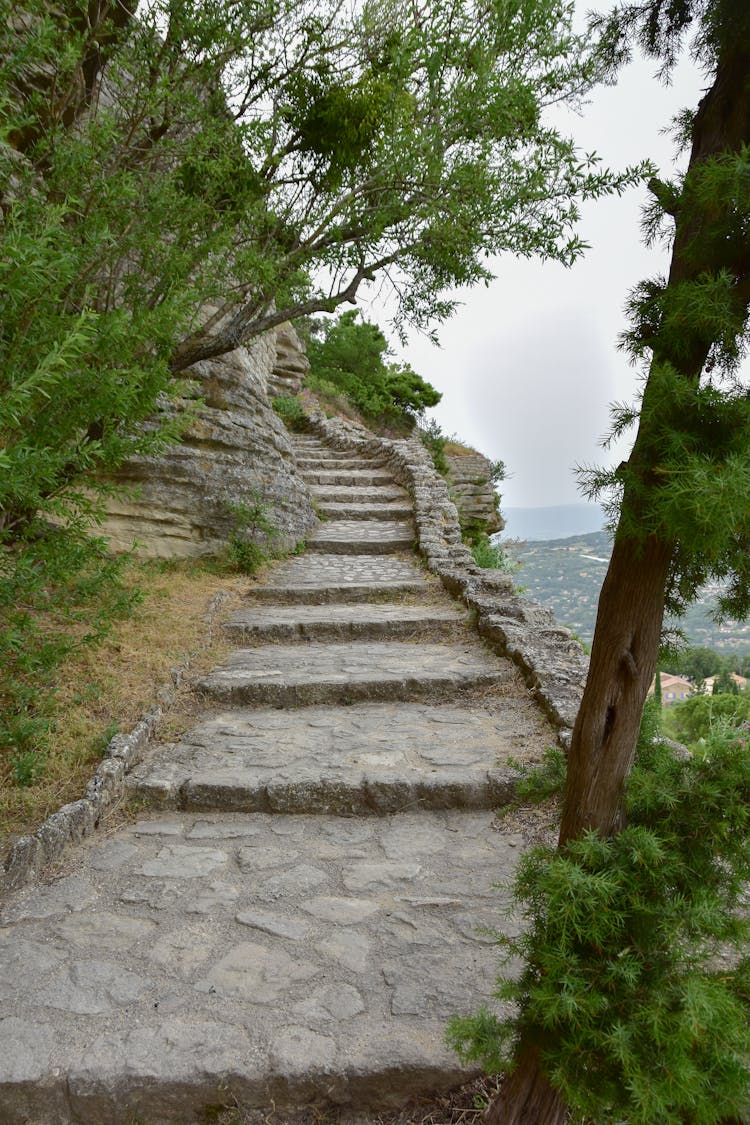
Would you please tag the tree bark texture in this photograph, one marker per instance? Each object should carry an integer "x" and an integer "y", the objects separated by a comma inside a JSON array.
[
  {"x": 527, "y": 1097},
  {"x": 623, "y": 661}
]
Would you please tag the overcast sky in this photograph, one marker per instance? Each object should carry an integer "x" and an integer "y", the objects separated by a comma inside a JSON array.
[{"x": 529, "y": 366}]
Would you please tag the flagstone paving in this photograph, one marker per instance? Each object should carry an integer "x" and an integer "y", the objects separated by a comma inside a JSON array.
[
  {"x": 310, "y": 890},
  {"x": 362, "y": 537},
  {"x": 364, "y": 759}
]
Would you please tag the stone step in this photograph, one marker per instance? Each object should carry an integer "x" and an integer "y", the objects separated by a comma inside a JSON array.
[
  {"x": 343, "y": 462},
  {"x": 355, "y": 594},
  {"x": 362, "y": 537},
  {"x": 319, "y": 577},
  {"x": 287, "y": 676},
  {"x": 349, "y": 622},
  {"x": 373, "y": 758},
  {"x": 350, "y": 478},
  {"x": 189, "y": 962},
  {"x": 359, "y": 494},
  {"x": 354, "y": 510},
  {"x": 327, "y": 452}
]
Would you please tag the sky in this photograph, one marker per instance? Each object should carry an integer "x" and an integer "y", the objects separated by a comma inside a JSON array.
[{"x": 529, "y": 366}]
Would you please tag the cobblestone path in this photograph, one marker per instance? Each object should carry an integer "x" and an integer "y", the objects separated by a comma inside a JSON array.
[{"x": 305, "y": 897}]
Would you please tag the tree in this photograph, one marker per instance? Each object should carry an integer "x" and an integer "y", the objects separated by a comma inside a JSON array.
[
  {"x": 692, "y": 721},
  {"x": 725, "y": 685},
  {"x": 348, "y": 356},
  {"x": 239, "y": 151},
  {"x": 684, "y": 493},
  {"x": 696, "y": 662}
]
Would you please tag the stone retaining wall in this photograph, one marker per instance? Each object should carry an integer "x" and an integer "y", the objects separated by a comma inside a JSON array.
[{"x": 553, "y": 665}]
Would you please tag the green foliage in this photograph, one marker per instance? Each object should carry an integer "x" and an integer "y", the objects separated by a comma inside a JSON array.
[
  {"x": 696, "y": 662},
  {"x": 692, "y": 721},
  {"x": 435, "y": 441},
  {"x": 635, "y": 1019},
  {"x": 348, "y": 355},
  {"x": 689, "y": 483},
  {"x": 725, "y": 685},
  {"x": 490, "y": 555},
  {"x": 291, "y": 412},
  {"x": 657, "y": 689},
  {"x": 59, "y": 590},
  {"x": 252, "y": 523},
  {"x": 539, "y": 782},
  {"x": 497, "y": 472}
]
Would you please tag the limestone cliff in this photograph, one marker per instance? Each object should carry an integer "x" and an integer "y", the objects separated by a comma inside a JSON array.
[
  {"x": 471, "y": 489},
  {"x": 235, "y": 450},
  {"x": 291, "y": 365}
]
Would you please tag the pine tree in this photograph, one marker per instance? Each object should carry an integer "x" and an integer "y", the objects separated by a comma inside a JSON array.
[{"x": 684, "y": 493}]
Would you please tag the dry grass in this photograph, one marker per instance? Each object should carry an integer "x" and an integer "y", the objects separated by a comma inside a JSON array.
[
  {"x": 453, "y": 448},
  {"x": 107, "y": 689}
]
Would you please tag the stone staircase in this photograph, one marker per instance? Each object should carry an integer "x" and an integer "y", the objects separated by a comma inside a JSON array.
[{"x": 306, "y": 896}]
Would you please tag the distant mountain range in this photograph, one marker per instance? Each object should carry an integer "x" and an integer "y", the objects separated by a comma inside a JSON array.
[
  {"x": 552, "y": 523},
  {"x": 566, "y": 574}
]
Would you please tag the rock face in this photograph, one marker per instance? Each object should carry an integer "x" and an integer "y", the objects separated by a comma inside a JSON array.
[
  {"x": 291, "y": 364},
  {"x": 236, "y": 450},
  {"x": 471, "y": 489}
]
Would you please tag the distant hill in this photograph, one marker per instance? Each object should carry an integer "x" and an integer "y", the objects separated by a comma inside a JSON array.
[
  {"x": 566, "y": 574},
  {"x": 552, "y": 523}
]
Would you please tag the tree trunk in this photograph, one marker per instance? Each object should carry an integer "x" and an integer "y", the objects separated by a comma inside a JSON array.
[
  {"x": 623, "y": 661},
  {"x": 526, "y": 1096}
]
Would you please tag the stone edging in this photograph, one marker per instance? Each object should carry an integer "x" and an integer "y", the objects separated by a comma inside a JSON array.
[
  {"x": 74, "y": 821},
  {"x": 552, "y": 663}
]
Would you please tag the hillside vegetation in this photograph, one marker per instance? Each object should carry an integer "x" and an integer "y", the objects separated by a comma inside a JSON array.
[{"x": 567, "y": 574}]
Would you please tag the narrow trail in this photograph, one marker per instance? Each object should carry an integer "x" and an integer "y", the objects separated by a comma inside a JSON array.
[{"x": 299, "y": 908}]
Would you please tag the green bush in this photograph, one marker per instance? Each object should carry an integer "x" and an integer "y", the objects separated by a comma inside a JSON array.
[
  {"x": 636, "y": 984},
  {"x": 291, "y": 412},
  {"x": 348, "y": 357},
  {"x": 691, "y": 722},
  {"x": 538, "y": 782},
  {"x": 489, "y": 555},
  {"x": 251, "y": 524},
  {"x": 59, "y": 591},
  {"x": 435, "y": 441}
]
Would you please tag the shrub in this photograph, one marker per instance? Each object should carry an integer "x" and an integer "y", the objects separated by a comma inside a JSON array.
[
  {"x": 691, "y": 722},
  {"x": 59, "y": 591},
  {"x": 435, "y": 441},
  {"x": 489, "y": 555},
  {"x": 291, "y": 412},
  {"x": 251, "y": 523},
  {"x": 348, "y": 356},
  {"x": 636, "y": 984}
]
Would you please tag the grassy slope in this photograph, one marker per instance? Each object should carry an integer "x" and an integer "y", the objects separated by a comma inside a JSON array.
[{"x": 107, "y": 689}]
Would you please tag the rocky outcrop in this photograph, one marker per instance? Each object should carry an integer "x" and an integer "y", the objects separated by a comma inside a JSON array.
[
  {"x": 291, "y": 364},
  {"x": 472, "y": 491},
  {"x": 236, "y": 450}
]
